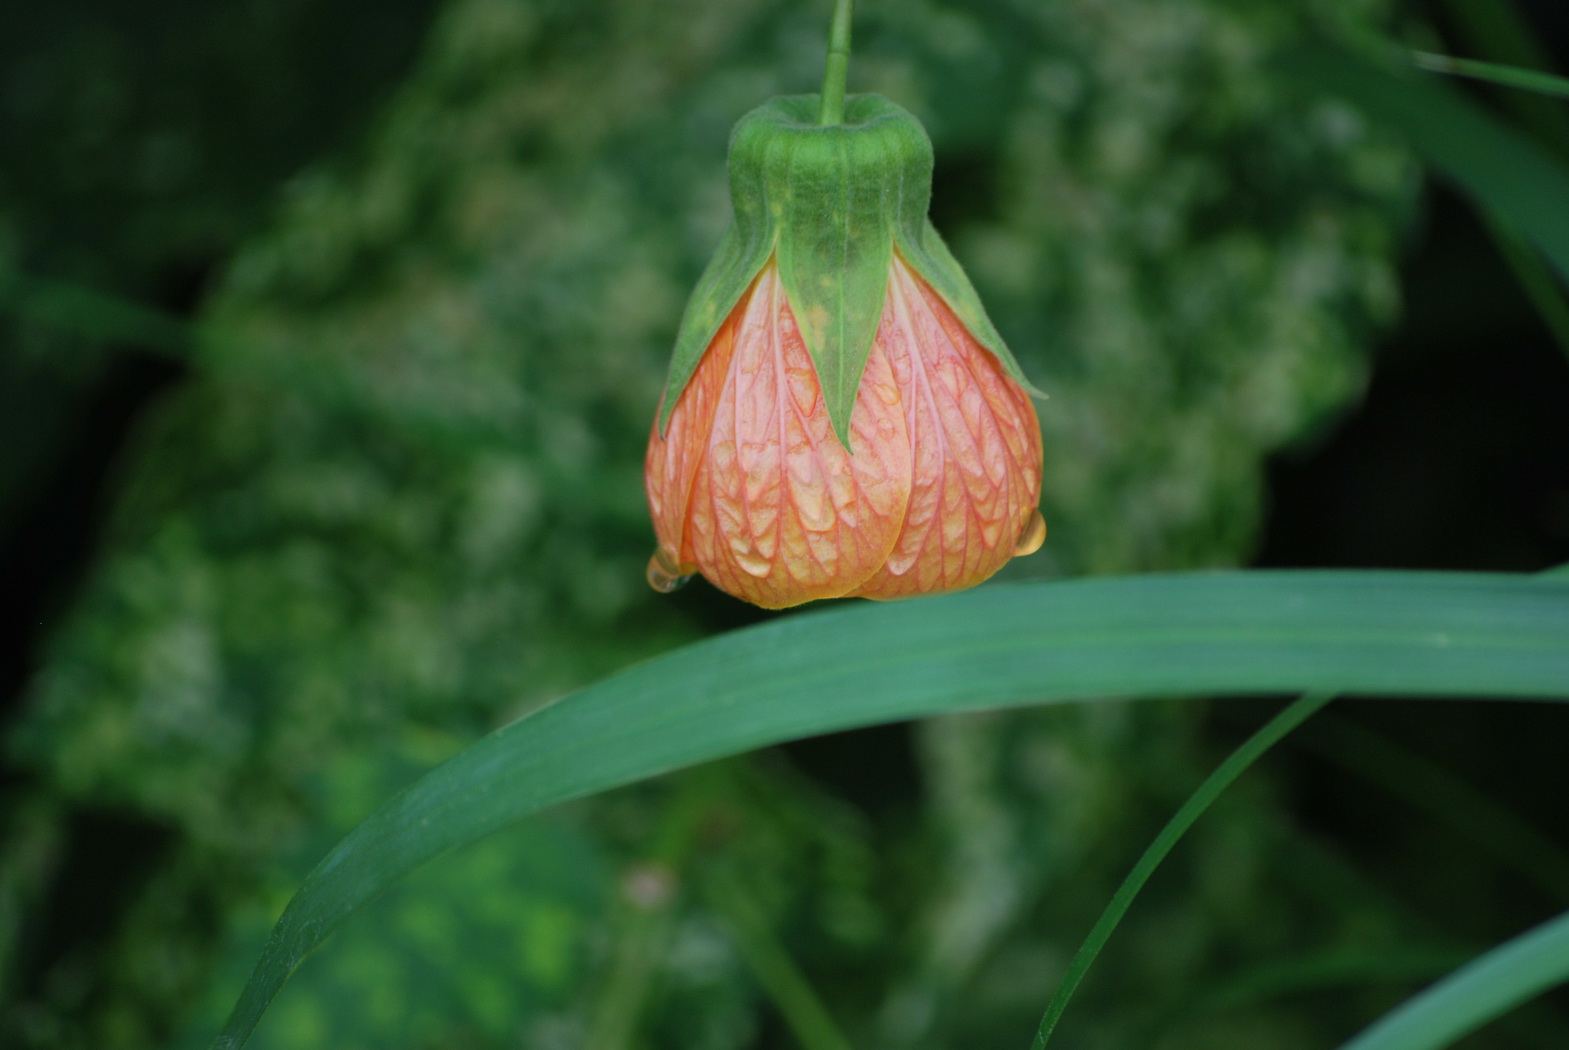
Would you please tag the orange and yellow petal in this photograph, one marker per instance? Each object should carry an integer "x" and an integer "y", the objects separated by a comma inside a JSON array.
[
  {"x": 976, "y": 448},
  {"x": 778, "y": 512},
  {"x": 673, "y": 460}
]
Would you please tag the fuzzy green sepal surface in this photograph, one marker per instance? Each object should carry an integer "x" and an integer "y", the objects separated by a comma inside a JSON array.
[{"x": 829, "y": 205}]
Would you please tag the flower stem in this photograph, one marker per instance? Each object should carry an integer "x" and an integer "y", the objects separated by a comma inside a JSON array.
[{"x": 832, "y": 111}]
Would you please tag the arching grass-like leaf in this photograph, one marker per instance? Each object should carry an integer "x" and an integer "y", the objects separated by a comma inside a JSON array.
[
  {"x": 1494, "y": 73},
  {"x": 1228, "y": 771},
  {"x": 1368, "y": 633},
  {"x": 1479, "y": 991},
  {"x": 1506, "y": 173}
]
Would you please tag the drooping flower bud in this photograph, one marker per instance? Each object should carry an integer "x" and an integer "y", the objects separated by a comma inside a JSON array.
[{"x": 841, "y": 418}]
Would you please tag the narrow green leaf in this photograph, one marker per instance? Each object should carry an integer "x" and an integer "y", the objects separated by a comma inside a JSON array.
[
  {"x": 1169, "y": 836},
  {"x": 1370, "y": 633},
  {"x": 1496, "y": 30},
  {"x": 1499, "y": 31},
  {"x": 1448, "y": 799},
  {"x": 1503, "y": 170},
  {"x": 1337, "y": 967},
  {"x": 1479, "y": 991},
  {"x": 1536, "y": 279},
  {"x": 1493, "y": 73},
  {"x": 94, "y": 314}
]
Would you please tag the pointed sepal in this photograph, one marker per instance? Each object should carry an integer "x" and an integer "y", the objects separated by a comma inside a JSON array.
[
  {"x": 923, "y": 248},
  {"x": 830, "y": 204},
  {"x": 840, "y": 201},
  {"x": 743, "y": 252}
]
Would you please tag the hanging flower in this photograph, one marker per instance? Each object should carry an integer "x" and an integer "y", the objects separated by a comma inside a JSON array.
[{"x": 841, "y": 418}]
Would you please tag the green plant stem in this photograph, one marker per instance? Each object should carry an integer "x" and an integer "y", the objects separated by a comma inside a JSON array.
[
  {"x": 838, "y": 66},
  {"x": 1276, "y": 728}
]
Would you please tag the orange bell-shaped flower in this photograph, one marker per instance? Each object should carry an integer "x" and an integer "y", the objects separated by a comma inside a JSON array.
[
  {"x": 750, "y": 485},
  {"x": 840, "y": 418}
]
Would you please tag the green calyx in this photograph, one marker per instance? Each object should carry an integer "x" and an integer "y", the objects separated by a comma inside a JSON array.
[{"x": 830, "y": 205}]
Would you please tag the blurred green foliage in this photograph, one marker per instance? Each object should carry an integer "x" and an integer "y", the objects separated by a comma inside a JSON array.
[
  {"x": 143, "y": 143},
  {"x": 397, "y": 501}
]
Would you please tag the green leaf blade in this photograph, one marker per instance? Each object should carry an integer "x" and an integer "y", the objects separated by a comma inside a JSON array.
[
  {"x": 1503, "y": 170},
  {"x": 1368, "y": 633},
  {"x": 1179, "y": 824},
  {"x": 1481, "y": 990},
  {"x": 1494, "y": 73}
]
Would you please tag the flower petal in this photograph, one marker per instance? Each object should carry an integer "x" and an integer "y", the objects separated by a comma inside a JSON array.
[
  {"x": 976, "y": 448},
  {"x": 671, "y": 465},
  {"x": 779, "y": 512}
]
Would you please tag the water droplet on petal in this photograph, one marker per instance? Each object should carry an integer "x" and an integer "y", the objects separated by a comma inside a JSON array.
[
  {"x": 1032, "y": 537},
  {"x": 664, "y": 574}
]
